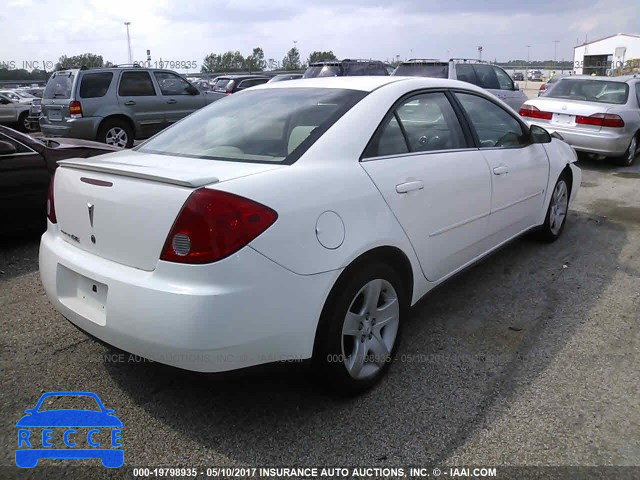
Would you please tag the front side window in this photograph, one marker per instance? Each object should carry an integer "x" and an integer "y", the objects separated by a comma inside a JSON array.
[
  {"x": 265, "y": 126},
  {"x": 172, "y": 84},
  {"x": 466, "y": 73},
  {"x": 94, "y": 85},
  {"x": 495, "y": 127},
  {"x": 504, "y": 80},
  {"x": 136, "y": 84},
  {"x": 20, "y": 148}
]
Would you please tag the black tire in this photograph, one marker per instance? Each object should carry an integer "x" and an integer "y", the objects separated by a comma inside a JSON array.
[
  {"x": 549, "y": 231},
  {"x": 329, "y": 351},
  {"x": 22, "y": 122},
  {"x": 109, "y": 127},
  {"x": 631, "y": 154}
]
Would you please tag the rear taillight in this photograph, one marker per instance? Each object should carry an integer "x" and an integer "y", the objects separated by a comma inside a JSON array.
[
  {"x": 212, "y": 225},
  {"x": 51, "y": 208},
  {"x": 601, "y": 120},
  {"x": 534, "y": 112},
  {"x": 228, "y": 91},
  {"x": 75, "y": 109},
  {"x": 543, "y": 87}
]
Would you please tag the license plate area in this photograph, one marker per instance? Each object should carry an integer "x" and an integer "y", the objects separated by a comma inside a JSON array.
[
  {"x": 55, "y": 114},
  {"x": 564, "y": 119},
  {"x": 83, "y": 295}
]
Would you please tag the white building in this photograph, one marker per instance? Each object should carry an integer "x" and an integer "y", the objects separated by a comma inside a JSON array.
[{"x": 607, "y": 54}]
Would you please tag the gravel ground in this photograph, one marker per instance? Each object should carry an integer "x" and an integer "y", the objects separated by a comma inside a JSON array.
[{"x": 529, "y": 358}]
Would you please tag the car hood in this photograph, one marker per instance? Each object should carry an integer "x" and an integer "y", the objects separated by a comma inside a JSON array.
[{"x": 69, "y": 418}]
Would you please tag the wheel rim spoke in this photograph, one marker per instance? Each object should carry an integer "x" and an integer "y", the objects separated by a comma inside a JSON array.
[
  {"x": 372, "y": 295},
  {"x": 352, "y": 324},
  {"x": 379, "y": 349},
  {"x": 356, "y": 361}
]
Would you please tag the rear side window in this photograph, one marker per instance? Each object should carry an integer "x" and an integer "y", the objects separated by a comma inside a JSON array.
[
  {"x": 486, "y": 76},
  {"x": 94, "y": 85},
  {"x": 136, "y": 84},
  {"x": 466, "y": 73},
  {"x": 59, "y": 85}
]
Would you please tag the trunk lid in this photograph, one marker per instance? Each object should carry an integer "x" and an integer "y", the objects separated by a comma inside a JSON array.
[
  {"x": 565, "y": 111},
  {"x": 121, "y": 206}
]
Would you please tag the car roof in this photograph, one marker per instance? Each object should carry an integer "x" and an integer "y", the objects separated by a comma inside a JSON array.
[{"x": 369, "y": 83}]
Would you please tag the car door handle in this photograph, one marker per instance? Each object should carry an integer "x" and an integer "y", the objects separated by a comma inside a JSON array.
[
  {"x": 173, "y": 100},
  {"x": 130, "y": 102},
  {"x": 501, "y": 170},
  {"x": 410, "y": 186}
]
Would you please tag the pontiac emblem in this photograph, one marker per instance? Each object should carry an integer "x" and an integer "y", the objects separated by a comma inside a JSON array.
[{"x": 90, "y": 207}]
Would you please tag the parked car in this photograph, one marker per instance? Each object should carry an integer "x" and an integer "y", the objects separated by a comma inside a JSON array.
[
  {"x": 26, "y": 166},
  {"x": 116, "y": 105},
  {"x": 34, "y": 115},
  {"x": 228, "y": 84},
  {"x": 14, "y": 113},
  {"x": 518, "y": 76},
  {"x": 337, "y": 202},
  {"x": 345, "y": 68},
  {"x": 490, "y": 77},
  {"x": 17, "y": 96},
  {"x": 596, "y": 115},
  {"x": 552, "y": 81},
  {"x": 285, "y": 76},
  {"x": 35, "y": 91},
  {"x": 535, "y": 75}
]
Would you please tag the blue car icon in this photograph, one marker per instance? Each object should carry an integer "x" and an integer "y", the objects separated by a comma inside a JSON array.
[{"x": 32, "y": 447}]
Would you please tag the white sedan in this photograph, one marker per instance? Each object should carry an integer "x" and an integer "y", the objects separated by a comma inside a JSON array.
[{"x": 297, "y": 220}]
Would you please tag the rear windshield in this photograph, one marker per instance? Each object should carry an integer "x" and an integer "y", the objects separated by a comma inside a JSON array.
[
  {"x": 434, "y": 70},
  {"x": 223, "y": 83},
  {"x": 599, "y": 91},
  {"x": 59, "y": 85},
  {"x": 264, "y": 126},
  {"x": 323, "y": 71}
]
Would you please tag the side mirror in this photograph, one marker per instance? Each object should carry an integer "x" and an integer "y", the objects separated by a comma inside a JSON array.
[
  {"x": 539, "y": 134},
  {"x": 516, "y": 86},
  {"x": 29, "y": 411},
  {"x": 7, "y": 148},
  {"x": 191, "y": 90}
]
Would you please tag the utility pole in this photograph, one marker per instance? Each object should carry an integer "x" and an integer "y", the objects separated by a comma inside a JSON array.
[
  {"x": 526, "y": 74},
  {"x": 129, "y": 42},
  {"x": 555, "y": 50}
]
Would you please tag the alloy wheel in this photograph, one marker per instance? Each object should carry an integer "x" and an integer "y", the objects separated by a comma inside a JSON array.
[
  {"x": 559, "y": 206},
  {"x": 370, "y": 328},
  {"x": 117, "y": 137}
]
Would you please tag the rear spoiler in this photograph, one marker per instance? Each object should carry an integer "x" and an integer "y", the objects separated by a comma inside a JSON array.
[{"x": 172, "y": 177}]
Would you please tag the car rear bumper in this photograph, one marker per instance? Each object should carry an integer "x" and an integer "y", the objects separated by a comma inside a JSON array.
[
  {"x": 241, "y": 311},
  {"x": 85, "y": 128},
  {"x": 605, "y": 142}
]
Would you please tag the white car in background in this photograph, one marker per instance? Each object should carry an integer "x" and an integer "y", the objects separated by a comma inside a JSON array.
[
  {"x": 297, "y": 220},
  {"x": 596, "y": 115}
]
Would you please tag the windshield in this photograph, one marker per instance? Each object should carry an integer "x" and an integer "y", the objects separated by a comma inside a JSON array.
[
  {"x": 323, "y": 71},
  {"x": 69, "y": 402},
  {"x": 11, "y": 95},
  {"x": 599, "y": 91},
  {"x": 434, "y": 70},
  {"x": 24, "y": 94},
  {"x": 265, "y": 126},
  {"x": 59, "y": 85}
]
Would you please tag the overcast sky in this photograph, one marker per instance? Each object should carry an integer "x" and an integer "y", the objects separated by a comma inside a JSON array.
[{"x": 187, "y": 30}]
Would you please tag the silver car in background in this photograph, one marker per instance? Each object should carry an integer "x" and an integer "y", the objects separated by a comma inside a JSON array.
[{"x": 595, "y": 115}]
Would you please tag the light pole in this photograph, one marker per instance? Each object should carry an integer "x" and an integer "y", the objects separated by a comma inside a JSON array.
[
  {"x": 480, "y": 53},
  {"x": 129, "y": 42},
  {"x": 555, "y": 50},
  {"x": 526, "y": 73}
]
